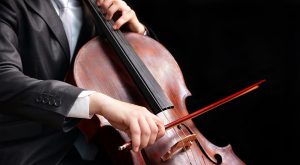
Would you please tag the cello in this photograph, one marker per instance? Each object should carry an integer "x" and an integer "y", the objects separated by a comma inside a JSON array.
[{"x": 137, "y": 69}]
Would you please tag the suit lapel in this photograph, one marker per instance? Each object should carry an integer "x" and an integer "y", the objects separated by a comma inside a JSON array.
[{"x": 45, "y": 9}]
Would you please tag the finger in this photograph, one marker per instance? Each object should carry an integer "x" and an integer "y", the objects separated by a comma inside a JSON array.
[
  {"x": 116, "y": 6},
  {"x": 105, "y": 5},
  {"x": 161, "y": 131},
  {"x": 111, "y": 11},
  {"x": 145, "y": 132},
  {"x": 135, "y": 134},
  {"x": 99, "y": 2},
  {"x": 153, "y": 128},
  {"x": 124, "y": 19},
  {"x": 160, "y": 125}
]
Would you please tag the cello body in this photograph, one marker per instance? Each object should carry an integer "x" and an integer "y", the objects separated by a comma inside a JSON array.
[{"x": 98, "y": 68}]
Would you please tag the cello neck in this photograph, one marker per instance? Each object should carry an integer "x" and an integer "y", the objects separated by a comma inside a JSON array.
[{"x": 151, "y": 90}]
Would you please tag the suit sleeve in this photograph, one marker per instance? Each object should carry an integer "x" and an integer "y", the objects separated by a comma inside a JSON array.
[{"x": 44, "y": 101}]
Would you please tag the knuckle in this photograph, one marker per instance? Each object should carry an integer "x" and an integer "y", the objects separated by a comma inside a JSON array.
[
  {"x": 146, "y": 132},
  {"x": 134, "y": 115},
  {"x": 143, "y": 145},
  {"x": 132, "y": 12},
  {"x": 151, "y": 142},
  {"x": 144, "y": 109},
  {"x": 155, "y": 129},
  {"x": 160, "y": 134},
  {"x": 120, "y": 3},
  {"x": 160, "y": 122},
  {"x": 124, "y": 2}
]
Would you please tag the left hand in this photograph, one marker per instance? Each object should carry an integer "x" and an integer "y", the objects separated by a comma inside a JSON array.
[{"x": 128, "y": 16}]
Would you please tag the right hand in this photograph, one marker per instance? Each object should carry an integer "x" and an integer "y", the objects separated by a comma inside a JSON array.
[{"x": 142, "y": 126}]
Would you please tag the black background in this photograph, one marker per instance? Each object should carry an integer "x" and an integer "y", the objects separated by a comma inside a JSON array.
[{"x": 223, "y": 46}]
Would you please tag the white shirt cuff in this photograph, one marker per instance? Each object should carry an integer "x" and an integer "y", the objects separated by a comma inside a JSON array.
[{"x": 80, "y": 108}]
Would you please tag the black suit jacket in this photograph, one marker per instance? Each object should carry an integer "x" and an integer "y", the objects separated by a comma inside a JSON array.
[{"x": 34, "y": 100}]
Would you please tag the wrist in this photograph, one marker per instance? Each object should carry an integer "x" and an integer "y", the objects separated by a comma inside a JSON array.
[{"x": 97, "y": 101}]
